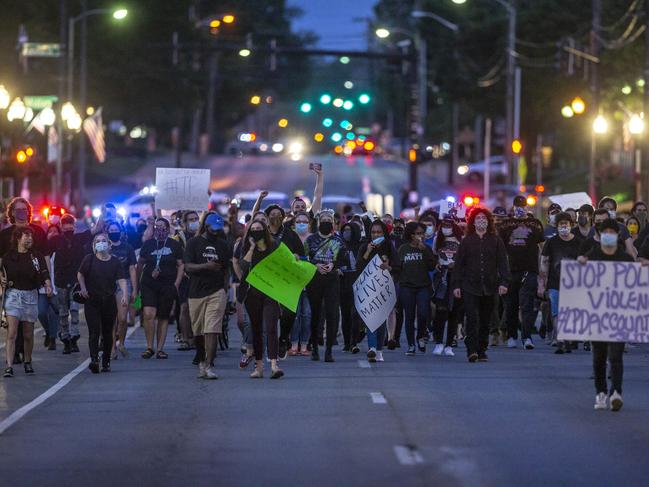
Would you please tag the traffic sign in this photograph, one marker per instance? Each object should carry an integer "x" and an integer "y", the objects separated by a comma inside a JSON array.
[
  {"x": 41, "y": 49},
  {"x": 40, "y": 102}
]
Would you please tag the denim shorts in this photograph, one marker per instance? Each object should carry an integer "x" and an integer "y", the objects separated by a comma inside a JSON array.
[{"x": 22, "y": 305}]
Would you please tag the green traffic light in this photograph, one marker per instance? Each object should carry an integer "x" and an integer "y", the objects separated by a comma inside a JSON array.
[
  {"x": 364, "y": 98},
  {"x": 336, "y": 137},
  {"x": 348, "y": 105},
  {"x": 305, "y": 107},
  {"x": 350, "y": 136},
  {"x": 325, "y": 99},
  {"x": 327, "y": 122}
]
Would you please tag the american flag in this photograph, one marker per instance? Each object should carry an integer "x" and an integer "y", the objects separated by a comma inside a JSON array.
[{"x": 94, "y": 129}]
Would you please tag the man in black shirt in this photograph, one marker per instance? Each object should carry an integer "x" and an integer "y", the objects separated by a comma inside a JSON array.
[
  {"x": 206, "y": 261},
  {"x": 564, "y": 245},
  {"x": 522, "y": 237}
]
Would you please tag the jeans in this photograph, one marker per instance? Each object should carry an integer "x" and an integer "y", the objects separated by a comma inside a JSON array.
[
  {"x": 478, "y": 311},
  {"x": 325, "y": 286},
  {"x": 264, "y": 315},
  {"x": 68, "y": 313},
  {"x": 416, "y": 302},
  {"x": 614, "y": 351},
  {"x": 375, "y": 339},
  {"x": 48, "y": 314},
  {"x": 521, "y": 294},
  {"x": 302, "y": 325},
  {"x": 100, "y": 317}
]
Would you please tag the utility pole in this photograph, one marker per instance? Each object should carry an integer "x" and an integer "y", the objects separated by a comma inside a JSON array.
[
  {"x": 213, "y": 71},
  {"x": 594, "y": 87},
  {"x": 511, "y": 82},
  {"x": 57, "y": 190},
  {"x": 644, "y": 173},
  {"x": 83, "y": 86}
]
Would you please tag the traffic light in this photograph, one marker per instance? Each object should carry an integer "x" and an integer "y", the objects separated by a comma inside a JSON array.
[
  {"x": 325, "y": 99},
  {"x": 348, "y": 105},
  {"x": 21, "y": 157},
  {"x": 412, "y": 155},
  {"x": 336, "y": 137},
  {"x": 327, "y": 122},
  {"x": 531, "y": 200},
  {"x": 305, "y": 107},
  {"x": 517, "y": 146},
  {"x": 539, "y": 188},
  {"x": 364, "y": 98}
]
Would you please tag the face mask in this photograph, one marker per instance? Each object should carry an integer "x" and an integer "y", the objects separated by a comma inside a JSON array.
[
  {"x": 378, "y": 241},
  {"x": 141, "y": 228},
  {"x": 301, "y": 228},
  {"x": 54, "y": 220},
  {"x": 553, "y": 219},
  {"x": 641, "y": 215},
  {"x": 430, "y": 230},
  {"x": 447, "y": 232},
  {"x": 481, "y": 225},
  {"x": 519, "y": 212},
  {"x": 325, "y": 228},
  {"x": 68, "y": 233},
  {"x": 193, "y": 227},
  {"x": 160, "y": 233},
  {"x": 114, "y": 236},
  {"x": 612, "y": 213},
  {"x": 101, "y": 246},
  {"x": 347, "y": 235},
  {"x": 583, "y": 221},
  {"x": 389, "y": 227},
  {"x": 21, "y": 214},
  {"x": 633, "y": 228},
  {"x": 564, "y": 231},
  {"x": 257, "y": 235},
  {"x": 398, "y": 231},
  {"x": 608, "y": 239}
]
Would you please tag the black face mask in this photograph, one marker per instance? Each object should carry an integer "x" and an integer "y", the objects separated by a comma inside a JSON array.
[
  {"x": 325, "y": 228},
  {"x": 114, "y": 236},
  {"x": 257, "y": 235},
  {"x": 583, "y": 221},
  {"x": 397, "y": 231}
]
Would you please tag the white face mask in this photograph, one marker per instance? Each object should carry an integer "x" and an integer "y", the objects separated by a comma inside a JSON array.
[
  {"x": 430, "y": 230},
  {"x": 553, "y": 219},
  {"x": 193, "y": 226},
  {"x": 612, "y": 214},
  {"x": 481, "y": 225},
  {"x": 101, "y": 246},
  {"x": 564, "y": 231},
  {"x": 447, "y": 232}
]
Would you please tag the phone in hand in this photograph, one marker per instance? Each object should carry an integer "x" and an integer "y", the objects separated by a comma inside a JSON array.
[{"x": 315, "y": 166}]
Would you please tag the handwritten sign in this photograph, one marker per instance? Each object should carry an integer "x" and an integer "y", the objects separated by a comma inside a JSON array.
[
  {"x": 457, "y": 207},
  {"x": 280, "y": 277},
  {"x": 182, "y": 189},
  {"x": 374, "y": 294},
  {"x": 604, "y": 302}
]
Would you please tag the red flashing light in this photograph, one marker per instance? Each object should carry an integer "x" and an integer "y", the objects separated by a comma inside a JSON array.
[
  {"x": 540, "y": 188},
  {"x": 531, "y": 200},
  {"x": 470, "y": 200}
]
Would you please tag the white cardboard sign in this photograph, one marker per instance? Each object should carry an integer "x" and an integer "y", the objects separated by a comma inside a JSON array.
[
  {"x": 182, "y": 189},
  {"x": 604, "y": 302},
  {"x": 374, "y": 294}
]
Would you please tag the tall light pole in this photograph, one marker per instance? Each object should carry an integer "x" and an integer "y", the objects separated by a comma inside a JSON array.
[
  {"x": 600, "y": 127},
  {"x": 118, "y": 14}
]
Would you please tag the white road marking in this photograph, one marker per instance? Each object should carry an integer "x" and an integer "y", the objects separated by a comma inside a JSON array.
[
  {"x": 378, "y": 398},
  {"x": 407, "y": 455},
  {"x": 18, "y": 414},
  {"x": 364, "y": 364}
]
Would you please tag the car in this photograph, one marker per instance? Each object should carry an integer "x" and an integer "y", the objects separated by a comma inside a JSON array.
[
  {"x": 474, "y": 171},
  {"x": 338, "y": 202},
  {"x": 246, "y": 201}
]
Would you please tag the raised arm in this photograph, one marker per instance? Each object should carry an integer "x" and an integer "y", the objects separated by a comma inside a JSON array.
[
  {"x": 317, "y": 192},
  {"x": 259, "y": 201}
]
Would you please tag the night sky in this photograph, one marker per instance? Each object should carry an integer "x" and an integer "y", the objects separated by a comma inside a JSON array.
[{"x": 333, "y": 21}]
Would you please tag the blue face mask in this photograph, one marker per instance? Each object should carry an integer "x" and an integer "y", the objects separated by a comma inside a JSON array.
[
  {"x": 301, "y": 228},
  {"x": 519, "y": 212},
  {"x": 378, "y": 241},
  {"x": 608, "y": 239}
]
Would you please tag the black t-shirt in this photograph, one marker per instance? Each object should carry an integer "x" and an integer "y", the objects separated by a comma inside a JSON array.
[
  {"x": 26, "y": 271},
  {"x": 163, "y": 255},
  {"x": 557, "y": 249},
  {"x": 125, "y": 254},
  {"x": 619, "y": 256},
  {"x": 580, "y": 236},
  {"x": 522, "y": 239},
  {"x": 101, "y": 275},
  {"x": 201, "y": 250},
  {"x": 69, "y": 251},
  {"x": 288, "y": 237},
  {"x": 416, "y": 266},
  {"x": 40, "y": 239}
]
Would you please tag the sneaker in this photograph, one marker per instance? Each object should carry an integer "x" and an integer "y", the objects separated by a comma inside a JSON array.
[
  {"x": 448, "y": 352},
  {"x": 439, "y": 349},
  {"x": 329, "y": 356},
  {"x": 355, "y": 349},
  {"x": 411, "y": 351},
  {"x": 210, "y": 374},
  {"x": 421, "y": 343},
  {"x": 511, "y": 343},
  {"x": 277, "y": 373},
  {"x": 105, "y": 367},
  {"x": 473, "y": 357},
  {"x": 283, "y": 349},
  {"x": 600, "y": 401},
  {"x": 528, "y": 344},
  {"x": 586, "y": 346},
  {"x": 371, "y": 355},
  {"x": 9, "y": 372},
  {"x": 202, "y": 367},
  {"x": 392, "y": 344},
  {"x": 482, "y": 357},
  {"x": 379, "y": 356},
  {"x": 257, "y": 374},
  {"x": 616, "y": 401},
  {"x": 94, "y": 366},
  {"x": 245, "y": 361}
]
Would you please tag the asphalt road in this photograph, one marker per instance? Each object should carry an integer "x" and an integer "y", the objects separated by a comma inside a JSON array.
[{"x": 524, "y": 418}]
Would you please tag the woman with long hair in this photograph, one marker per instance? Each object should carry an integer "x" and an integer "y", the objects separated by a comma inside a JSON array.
[
  {"x": 263, "y": 310},
  {"x": 24, "y": 272}
]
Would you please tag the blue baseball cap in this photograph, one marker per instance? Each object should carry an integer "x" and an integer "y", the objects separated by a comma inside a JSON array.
[{"x": 214, "y": 222}]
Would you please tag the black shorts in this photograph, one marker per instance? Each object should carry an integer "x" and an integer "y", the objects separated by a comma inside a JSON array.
[{"x": 159, "y": 296}]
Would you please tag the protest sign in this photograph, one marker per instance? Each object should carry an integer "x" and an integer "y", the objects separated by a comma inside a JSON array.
[
  {"x": 374, "y": 294},
  {"x": 280, "y": 277},
  {"x": 570, "y": 200},
  {"x": 604, "y": 302},
  {"x": 182, "y": 189}
]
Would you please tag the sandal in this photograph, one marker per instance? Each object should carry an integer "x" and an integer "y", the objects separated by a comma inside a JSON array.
[
  {"x": 148, "y": 353},
  {"x": 161, "y": 355}
]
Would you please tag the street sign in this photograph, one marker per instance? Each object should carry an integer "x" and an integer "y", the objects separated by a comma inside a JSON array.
[
  {"x": 40, "y": 102},
  {"x": 41, "y": 49}
]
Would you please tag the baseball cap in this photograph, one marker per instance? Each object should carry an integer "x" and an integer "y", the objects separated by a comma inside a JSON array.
[
  {"x": 554, "y": 207},
  {"x": 500, "y": 211},
  {"x": 214, "y": 221},
  {"x": 520, "y": 201}
]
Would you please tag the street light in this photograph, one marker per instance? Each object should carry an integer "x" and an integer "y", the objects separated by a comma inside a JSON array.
[
  {"x": 600, "y": 125},
  {"x": 578, "y": 105},
  {"x": 5, "y": 98},
  {"x": 636, "y": 125},
  {"x": 120, "y": 14},
  {"x": 47, "y": 116},
  {"x": 244, "y": 52},
  {"x": 567, "y": 111},
  {"x": 382, "y": 33},
  {"x": 16, "y": 110}
]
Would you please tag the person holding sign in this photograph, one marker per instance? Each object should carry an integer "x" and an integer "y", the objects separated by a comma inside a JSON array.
[
  {"x": 608, "y": 250},
  {"x": 416, "y": 260},
  {"x": 481, "y": 272},
  {"x": 382, "y": 246},
  {"x": 263, "y": 311}
]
